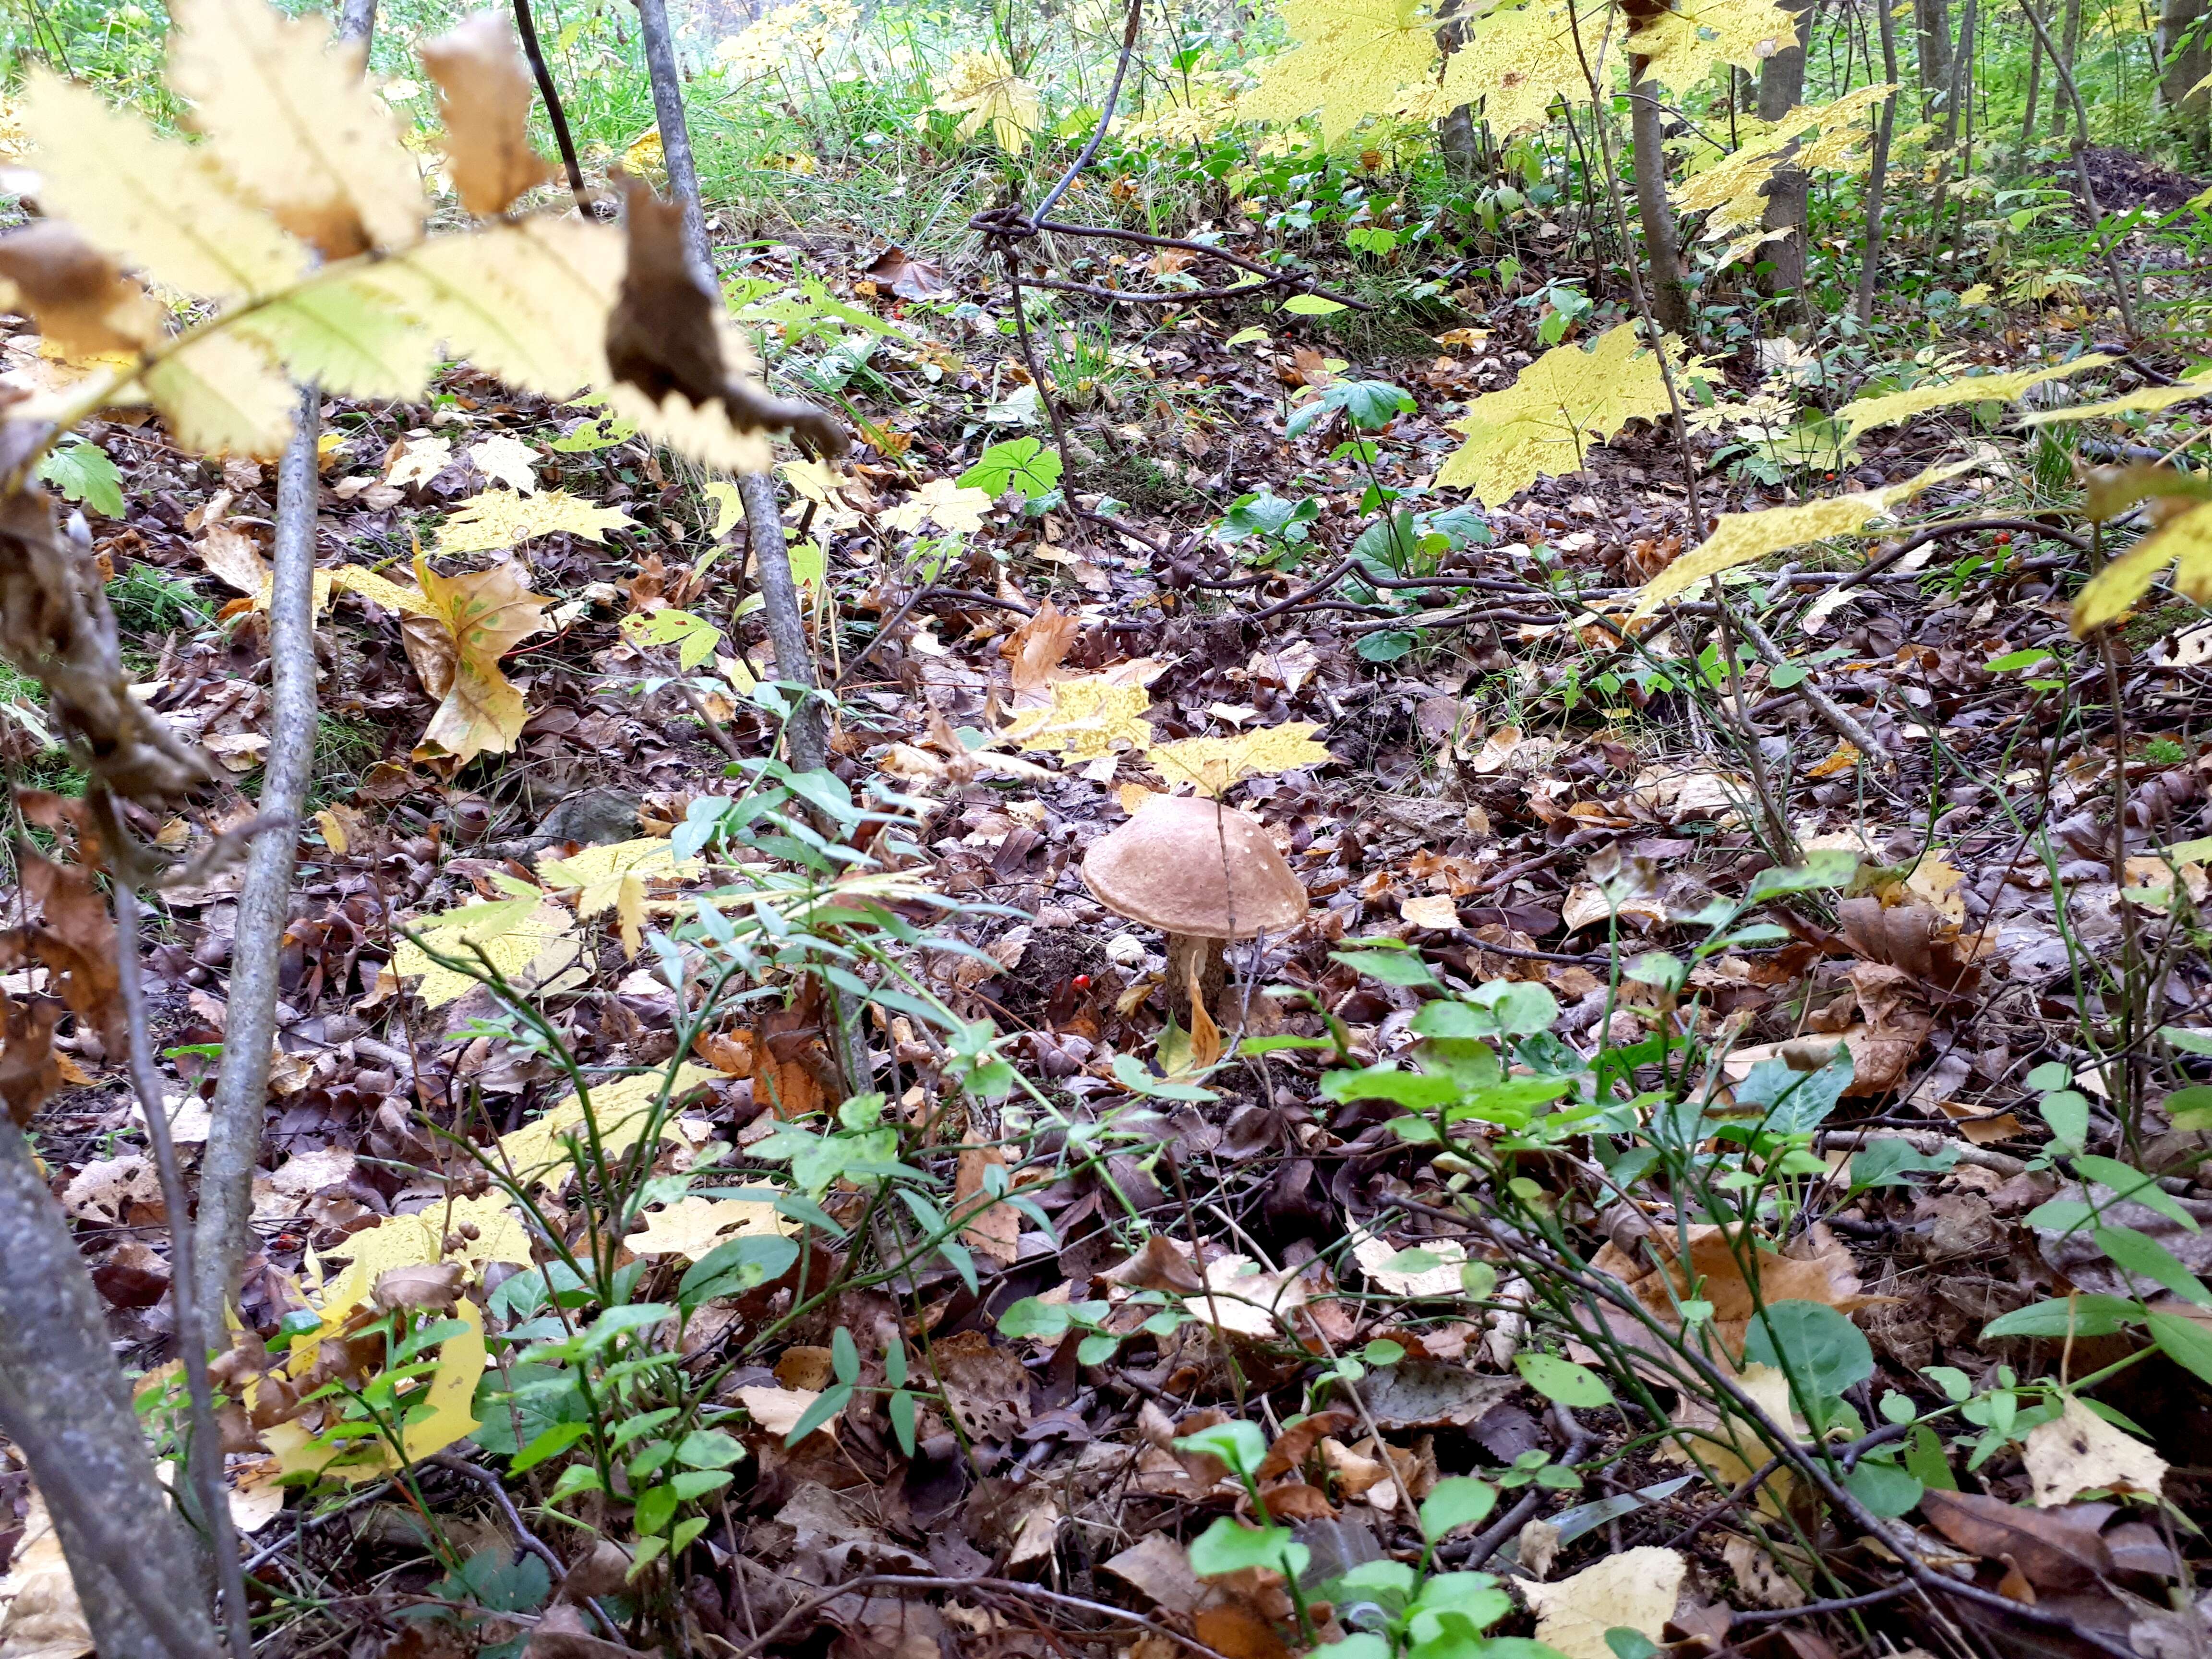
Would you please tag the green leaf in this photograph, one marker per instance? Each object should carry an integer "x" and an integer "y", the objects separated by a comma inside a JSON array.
[
  {"x": 1820, "y": 1348},
  {"x": 1311, "y": 305},
  {"x": 1391, "y": 967},
  {"x": 1562, "y": 1380},
  {"x": 2081, "y": 1315},
  {"x": 577, "y": 1477},
  {"x": 1886, "y": 1489},
  {"x": 2189, "y": 1042},
  {"x": 698, "y": 1483},
  {"x": 1629, "y": 1643},
  {"x": 1824, "y": 867},
  {"x": 1230, "y": 1546},
  {"x": 82, "y": 473},
  {"x": 2190, "y": 1107},
  {"x": 844, "y": 1356},
  {"x": 831, "y": 1402},
  {"x": 1458, "y": 1500},
  {"x": 553, "y": 1441},
  {"x": 686, "y": 1531},
  {"x": 1046, "y": 1321},
  {"x": 903, "y": 1420},
  {"x": 1887, "y": 1161},
  {"x": 2145, "y": 1257},
  {"x": 1416, "y": 1091},
  {"x": 741, "y": 1265},
  {"x": 1130, "y": 1072},
  {"x": 1023, "y": 463},
  {"x": 656, "y": 1507},
  {"x": 708, "y": 1449},
  {"x": 2185, "y": 1342},
  {"x": 2067, "y": 1113},
  {"x": 1239, "y": 1444},
  {"x": 2131, "y": 1183}
]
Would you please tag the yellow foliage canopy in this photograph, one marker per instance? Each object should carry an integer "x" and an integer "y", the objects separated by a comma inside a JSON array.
[
  {"x": 1541, "y": 425},
  {"x": 1350, "y": 59},
  {"x": 1517, "y": 64}
]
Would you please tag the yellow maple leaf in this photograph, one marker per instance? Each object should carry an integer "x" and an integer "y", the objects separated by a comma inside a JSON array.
[
  {"x": 150, "y": 202},
  {"x": 617, "y": 877},
  {"x": 1742, "y": 538},
  {"x": 2185, "y": 542},
  {"x": 527, "y": 938},
  {"x": 438, "y": 1233},
  {"x": 1518, "y": 64},
  {"x": 1543, "y": 424},
  {"x": 505, "y": 518},
  {"x": 945, "y": 503},
  {"x": 418, "y": 461},
  {"x": 1685, "y": 43},
  {"x": 295, "y": 123},
  {"x": 693, "y": 1226},
  {"x": 984, "y": 85},
  {"x": 2144, "y": 400},
  {"x": 1867, "y": 413},
  {"x": 509, "y": 460},
  {"x": 400, "y": 601},
  {"x": 1348, "y": 59},
  {"x": 1214, "y": 763},
  {"x": 1732, "y": 186},
  {"x": 535, "y": 1155},
  {"x": 1087, "y": 717}
]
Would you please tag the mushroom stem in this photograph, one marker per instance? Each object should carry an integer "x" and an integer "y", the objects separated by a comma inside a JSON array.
[{"x": 1189, "y": 956}]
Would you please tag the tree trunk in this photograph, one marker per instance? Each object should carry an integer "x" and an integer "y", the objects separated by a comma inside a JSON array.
[
  {"x": 1781, "y": 89},
  {"x": 2185, "y": 43},
  {"x": 1877, "y": 172},
  {"x": 1670, "y": 295},
  {"x": 1931, "y": 39},
  {"x": 63, "y": 1403}
]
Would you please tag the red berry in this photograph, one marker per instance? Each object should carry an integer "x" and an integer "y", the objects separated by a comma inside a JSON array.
[{"x": 1081, "y": 981}]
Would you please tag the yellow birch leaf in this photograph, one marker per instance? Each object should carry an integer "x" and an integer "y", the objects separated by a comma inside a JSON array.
[
  {"x": 524, "y": 938},
  {"x": 295, "y": 123},
  {"x": 504, "y": 518},
  {"x": 222, "y": 396},
  {"x": 1867, "y": 413},
  {"x": 623, "y": 1109},
  {"x": 346, "y": 335},
  {"x": 1518, "y": 64},
  {"x": 526, "y": 302},
  {"x": 1212, "y": 764},
  {"x": 1543, "y": 424},
  {"x": 485, "y": 615},
  {"x": 1086, "y": 719},
  {"x": 149, "y": 202},
  {"x": 2186, "y": 542},
  {"x": 1348, "y": 60},
  {"x": 1743, "y": 537}
]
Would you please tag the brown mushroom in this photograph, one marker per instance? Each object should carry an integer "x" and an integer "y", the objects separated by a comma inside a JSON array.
[{"x": 1203, "y": 874}]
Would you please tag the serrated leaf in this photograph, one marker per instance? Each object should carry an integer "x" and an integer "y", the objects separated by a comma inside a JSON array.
[
  {"x": 149, "y": 202},
  {"x": 953, "y": 508},
  {"x": 1518, "y": 64},
  {"x": 345, "y": 334},
  {"x": 983, "y": 88},
  {"x": 82, "y": 473},
  {"x": 1867, "y": 413},
  {"x": 222, "y": 395},
  {"x": 1213, "y": 764},
  {"x": 485, "y": 96},
  {"x": 501, "y": 518},
  {"x": 1023, "y": 463},
  {"x": 507, "y": 460},
  {"x": 693, "y": 1227},
  {"x": 295, "y": 123},
  {"x": 2184, "y": 543},
  {"x": 1744, "y": 537},
  {"x": 1683, "y": 44},
  {"x": 1544, "y": 422},
  {"x": 1348, "y": 59},
  {"x": 1087, "y": 717}
]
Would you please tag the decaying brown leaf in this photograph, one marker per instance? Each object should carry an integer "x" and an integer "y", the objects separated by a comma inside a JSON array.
[
  {"x": 1722, "y": 1264},
  {"x": 995, "y": 1230},
  {"x": 484, "y": 98},
  {"x": 2052, "y": 1549},
  {"x": 83, "y": 304}
]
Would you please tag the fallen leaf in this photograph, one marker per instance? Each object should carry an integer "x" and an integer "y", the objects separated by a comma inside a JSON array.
[
  {"x": 1636, "y": 1589},
  {"x": 42, "y": 1617},
  {"x": 1034, "y": 649},
  {"x": 2053, "y": 1549},
  {"x": 474, "y": 621},
  {"x": 507, "y": 460},
  {"x": 1158, "y": 1569},
  {"x": 617, "y": 877},
  {"x": 2078, "y": 1451},
  {"x": 1374, "y": 1256},
  {"x": 501, "y": 518},
  {"x": 905, "y": 275},
  {"x": 692, "y": 1227},
  {"x": 995, "y": 1230},
  {"x": 1430, "y": 910},
  {"x": 417, "y": 460}
]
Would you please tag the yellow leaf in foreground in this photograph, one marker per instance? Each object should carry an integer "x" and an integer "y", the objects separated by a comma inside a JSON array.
[
  {"x": 702, "y": 432},
  {"x": 1087, "y": 717},
  {"x": 295, "y": 124},
  {"x": 1743, "y": 537},
  {"x": 2144, "y": 400},
  {"x": 1636, "y": 1589},
  {"x": 694, "y": 1226},
  {"x": 1350, "y": 59},
  {"x": 623, "y": 1109},
  {"x": 2186, "y": 542},
  {"x": 346, "y": 334},
  {"x": 1745, "y": 32},
  {"x": 1543, "y": 424},
  {"x": 1212, "y": 764},
  {"x": 1518, "y": 64},
  {"x": 1868, "y": 413},
  {"x": 149, "y": 202},
  {"x": 484, "y": 98},
  {"x": 525, "y": 939},
  {"x": 222, "y": 396},
  {"x": 505, "y": 518}
]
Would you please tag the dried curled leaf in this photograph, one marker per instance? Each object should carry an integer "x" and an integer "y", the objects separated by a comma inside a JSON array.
[
  {"x": 83, "y": 303},
  {"x": 1543, "y": 424},
  {"x": 484, "y": 98},
  {"x": 1743, "y": 537},
  {"x": 469, "y": 624},
  {"x": 505, "y": 518},
  {"x": 291, "y": 119}
]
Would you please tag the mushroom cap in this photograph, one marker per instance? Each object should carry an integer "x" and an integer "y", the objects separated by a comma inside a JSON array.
[{"x": 1164, "y": 868}]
